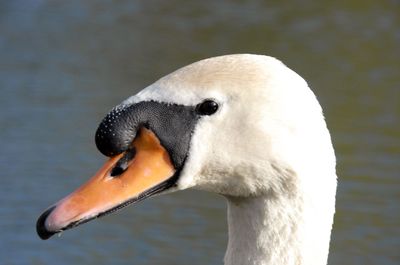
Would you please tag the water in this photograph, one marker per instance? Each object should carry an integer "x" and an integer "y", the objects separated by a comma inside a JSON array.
[{"x": 64, "y": 64}]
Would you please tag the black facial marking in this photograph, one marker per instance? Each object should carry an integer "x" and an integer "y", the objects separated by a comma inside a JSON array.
[{"x": 173, "y": 125}]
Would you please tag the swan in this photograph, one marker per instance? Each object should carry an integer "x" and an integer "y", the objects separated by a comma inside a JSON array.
[{"x": 244, "y": 126}]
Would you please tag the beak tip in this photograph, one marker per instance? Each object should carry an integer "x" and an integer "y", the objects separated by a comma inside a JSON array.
[{"x": 41, "y": 225}]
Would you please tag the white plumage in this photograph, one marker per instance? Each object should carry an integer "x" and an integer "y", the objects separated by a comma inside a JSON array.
[
  {"x": 267, "y": 150},
  {"x": 265, "y": 147}
]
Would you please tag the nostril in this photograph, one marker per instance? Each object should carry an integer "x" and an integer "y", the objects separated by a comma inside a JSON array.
[
  {"x": 116, "y": 171},
  {"x": 41, "y": 225},
  {"x": 123, "y": 163}
]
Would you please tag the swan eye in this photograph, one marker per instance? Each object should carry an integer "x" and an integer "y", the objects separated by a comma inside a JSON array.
[{"x": 207, "y": 107}]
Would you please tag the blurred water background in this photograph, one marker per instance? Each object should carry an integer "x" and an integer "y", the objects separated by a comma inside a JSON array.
[{"x": 65, "y": 64}]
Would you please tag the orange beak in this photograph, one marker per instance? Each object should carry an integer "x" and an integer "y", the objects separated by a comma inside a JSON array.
[{"x": 117, "y": 184}]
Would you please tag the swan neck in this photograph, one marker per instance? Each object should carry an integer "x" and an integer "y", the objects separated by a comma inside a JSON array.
[{"x": 270, "y": 230}]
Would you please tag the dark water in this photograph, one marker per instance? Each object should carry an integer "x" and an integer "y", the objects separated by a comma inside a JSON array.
[{"x": 64, "y": 64}]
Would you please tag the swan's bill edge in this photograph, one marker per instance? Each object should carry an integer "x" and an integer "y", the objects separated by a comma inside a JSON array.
[{"x": 150, "y": 172}]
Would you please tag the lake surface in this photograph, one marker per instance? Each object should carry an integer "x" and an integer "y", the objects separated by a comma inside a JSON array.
[{"x": 65, "y": 64}]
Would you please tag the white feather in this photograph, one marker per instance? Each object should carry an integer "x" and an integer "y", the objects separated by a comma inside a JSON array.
[{"x": 267, "y": 149}]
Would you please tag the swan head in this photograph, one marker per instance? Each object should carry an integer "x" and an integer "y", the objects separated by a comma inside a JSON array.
[{"x": 237, "y": 125}]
